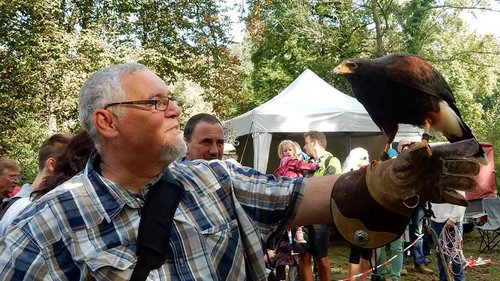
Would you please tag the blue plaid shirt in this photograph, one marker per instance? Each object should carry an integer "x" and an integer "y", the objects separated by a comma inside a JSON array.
[{"x": 87, "y": 227}]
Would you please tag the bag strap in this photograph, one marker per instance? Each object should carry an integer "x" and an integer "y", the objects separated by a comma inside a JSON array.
[
  {"x": 6, "y": 205},
  {"x": 327, "y": 161},
  {"x": 157, "y": 217},
  {"x": 327, "y": 166}
]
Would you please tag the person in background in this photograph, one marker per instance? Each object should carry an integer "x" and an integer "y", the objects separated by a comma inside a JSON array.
[
  {"x": 10, "y": 177},
  {"x": 47, "y": 154},
  {"x": 395, "y": 246},
  {"x": 448, "y": 219},
  {"x": 357, "y": 158},
  {"x": 290, "y": 166},
  {"x": 14, "y": 192},
  {"x": 359, "y": 259},
  {"x": 204, "y": 137},
  {"x": 318, "y": 234},
  {"x": 415, "y": 228},
  {"x": 64, "y": 155},
  {"x": 71, "y": 161},
  {"x": 46, "y": 159},
  {"x": 50, "y": 149},
  {"x": 88, "y": 228}
]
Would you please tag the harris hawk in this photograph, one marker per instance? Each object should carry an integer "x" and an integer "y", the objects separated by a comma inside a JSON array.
[{"x": 404, "y": 88}]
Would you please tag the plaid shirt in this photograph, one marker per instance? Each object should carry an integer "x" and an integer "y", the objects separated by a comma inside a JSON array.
[{"x": 87, "y": 227}]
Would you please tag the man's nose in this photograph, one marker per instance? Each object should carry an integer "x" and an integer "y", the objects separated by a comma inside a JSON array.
[
  {"x": 214, "y": 148},
  {"x": 172, "y": 110}
]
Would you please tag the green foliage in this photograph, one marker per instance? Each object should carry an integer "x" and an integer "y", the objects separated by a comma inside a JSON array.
[
  {"x": 291, "y": 35},
  {"x": 48, "y": 48},
  {"x": 22, "y": 141},
  {"x": 414, "y": 18}
]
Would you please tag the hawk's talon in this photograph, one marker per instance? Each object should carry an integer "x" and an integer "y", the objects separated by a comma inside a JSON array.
[
  {"x": 427, "y": 147},
  {"x": 384, "y": 156},
  {"x": 428, "y": 151}
]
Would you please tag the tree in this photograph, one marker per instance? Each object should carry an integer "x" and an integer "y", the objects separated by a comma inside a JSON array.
[
  {"x": 48, "y": 48},
  {"x": 288, "y": 36}
]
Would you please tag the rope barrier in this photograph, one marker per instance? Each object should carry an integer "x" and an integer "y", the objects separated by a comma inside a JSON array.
[
  {"x": 385, "y": 262},
  {"x": 450, "y": 242}
]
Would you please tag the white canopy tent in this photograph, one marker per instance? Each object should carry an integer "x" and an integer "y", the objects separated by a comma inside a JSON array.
[{"x": 309, "y": 103}]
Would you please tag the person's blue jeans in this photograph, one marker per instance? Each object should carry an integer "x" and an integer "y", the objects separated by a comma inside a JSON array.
[
  {"x": 456, "y": 267},
  {"x": 415, "y": 227}
]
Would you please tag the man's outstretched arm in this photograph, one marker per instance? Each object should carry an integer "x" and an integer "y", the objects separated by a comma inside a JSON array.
[{"x": 371, "y": 206}]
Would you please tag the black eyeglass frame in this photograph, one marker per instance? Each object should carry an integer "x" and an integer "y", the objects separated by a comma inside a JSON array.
[{"x": 147, "y": 102}]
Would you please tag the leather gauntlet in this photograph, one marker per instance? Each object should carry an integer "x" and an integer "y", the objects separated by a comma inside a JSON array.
[{"x": 372, "y": 206}]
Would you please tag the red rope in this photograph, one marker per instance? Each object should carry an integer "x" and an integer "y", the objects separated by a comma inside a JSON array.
[{"x": 385, "y": 262}]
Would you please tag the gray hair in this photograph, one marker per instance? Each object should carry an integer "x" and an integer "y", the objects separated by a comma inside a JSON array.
[{"x": 100, "y": 89}]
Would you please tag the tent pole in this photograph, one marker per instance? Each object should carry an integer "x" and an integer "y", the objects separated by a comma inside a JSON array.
[
  {"x": 348, "y": 142},
  {"x": 246, "y": 141}
]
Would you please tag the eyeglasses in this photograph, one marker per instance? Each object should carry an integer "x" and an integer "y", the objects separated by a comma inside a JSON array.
[
  {"x": 160, "y": 104},
  {"x": 405, "y": 147},
  {"x": 13, "y": 178}
]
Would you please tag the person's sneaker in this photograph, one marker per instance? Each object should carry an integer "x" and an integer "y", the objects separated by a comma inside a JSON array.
[
  {"x": 299, "y": 236},
  {"x": 422, "y": 269},
  {"x": 403, "y": 272}
]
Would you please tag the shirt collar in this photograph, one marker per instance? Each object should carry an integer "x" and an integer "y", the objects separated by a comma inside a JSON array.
[
  {"x": 320, "y": 154},
  {"x": 111, "y": 196}
]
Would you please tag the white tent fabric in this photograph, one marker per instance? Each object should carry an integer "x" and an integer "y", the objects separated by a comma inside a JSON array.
[{"x": 308, "y": 103}]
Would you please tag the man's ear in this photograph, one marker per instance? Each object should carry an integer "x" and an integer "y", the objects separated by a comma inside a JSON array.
[
  {"x": 50, "y": 164},
  {"x": 104, "y": 122}
]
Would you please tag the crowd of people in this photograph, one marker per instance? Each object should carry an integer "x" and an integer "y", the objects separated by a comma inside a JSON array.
[{"x": 89, "y": 209}]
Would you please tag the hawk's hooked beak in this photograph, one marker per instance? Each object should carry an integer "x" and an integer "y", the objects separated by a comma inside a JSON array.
[{"x": 343, "y": 68}]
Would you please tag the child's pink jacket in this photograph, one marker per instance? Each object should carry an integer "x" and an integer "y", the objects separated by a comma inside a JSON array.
[{"x": 291, "y": 168}]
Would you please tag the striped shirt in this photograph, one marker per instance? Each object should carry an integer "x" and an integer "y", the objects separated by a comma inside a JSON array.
[{"x": 87, "y": 228}]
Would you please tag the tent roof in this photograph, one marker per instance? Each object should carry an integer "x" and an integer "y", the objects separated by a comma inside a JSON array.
[{"x": 308, "y": 103}]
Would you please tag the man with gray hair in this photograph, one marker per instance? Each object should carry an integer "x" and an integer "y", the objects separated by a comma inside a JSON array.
[{"x": 91, "y": 226}]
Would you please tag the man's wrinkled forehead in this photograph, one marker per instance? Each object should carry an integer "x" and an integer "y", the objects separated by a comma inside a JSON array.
[{"x": 146, "y": 82}]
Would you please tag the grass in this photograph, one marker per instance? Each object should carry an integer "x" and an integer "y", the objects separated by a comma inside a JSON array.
[{"x": 338, "y": 254}]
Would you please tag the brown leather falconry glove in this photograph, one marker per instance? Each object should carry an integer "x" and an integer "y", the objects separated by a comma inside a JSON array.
[{"x": 372, "y": 206}]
